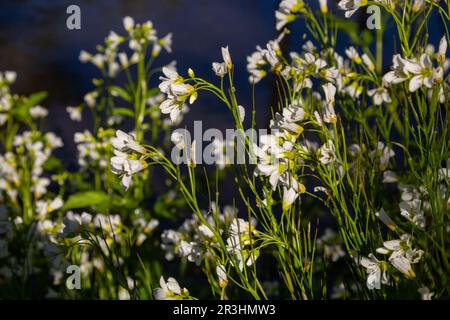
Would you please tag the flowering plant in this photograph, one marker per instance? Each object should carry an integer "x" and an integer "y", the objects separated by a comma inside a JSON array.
[{"x": 345, "y": 194}]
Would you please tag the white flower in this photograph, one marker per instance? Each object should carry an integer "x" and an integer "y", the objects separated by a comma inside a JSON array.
[
  {"x": 240, "y": 226},
  {"x": 327, "y": 153},
  {"x": 289, "y": 197},
  {"x": 353, "y": 55},
  {"x": 10, "y": 76},
  {"x": 38, "y": 112},
  {"x": 220, "y": 69},
  {"x": 401, "y": 254},
  {"x": 45, "y": 207},
  {"x": 323, "y": 6},
  {"x": 128, "y": 23},
  {"x": 165, "y": 43},
  {"x": 350, "y": 6},
  {"x": 389, "y": 177},
  {"x": 191, "y": 251},
  {"x": 368, "y": 62},
  {"x": 330, "y": 92},
  {"x": 422, "y": 71},
  {"x": 283, "y": 19},
  {"x": 177, "y": 93},
  {"x": 379, "y": 96},
  {"x": 74, "y": 113},
  {"x": 412, "y": 210},
  {"x": 312, "y": 63},
  {"x": 398, "y": 74},
  {"x": 384, "y": 153},
  {"x": 169, "y": 290},
  {"x": 205, "y": 231},
  {"x": 442, "y": 52},
  {"x": 170, "y": 76},
  {"x": 124, "y": 142},
  {"x": 179, "y": 139},
  {"x": 294, "y": 113},
  {"x": 425, "y": 293},
  {"x": 121, "y": 165},
  {"x": 227, "y": 58},
  {"x": 171, "y": 107},
  {"x": 418, "y": 5},
  {"x": 376, "y": 271},
  {"x": 74, "y": 224},
  {"x": 222, "y": 275}
]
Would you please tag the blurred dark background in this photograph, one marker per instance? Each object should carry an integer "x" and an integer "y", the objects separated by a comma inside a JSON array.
[{"x": 35, "y": 42}]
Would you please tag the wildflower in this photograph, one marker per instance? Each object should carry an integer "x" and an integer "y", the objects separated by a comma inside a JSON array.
[
  {"x": 38, "y": 112},
  {"x": 379, "y": 95},
  {"x": 74, "y": 224},
  {"x": 353, "y": 55},
  {"x": 169, "y": 290},
  {"x": 283, "y": 19},
  {"x": 330, "y": 241},
  {"x": 177, "y": 93},
  {"x": 222, "y": 275},
  {"x": 289, "y": 197},
  {"x": 425, "y": 293},
  {"x": 313, "y": 64},
  {"x": 368, "y": 62},
  {"x": 441, "y": 56},
  {"x": 128, "y": 23},
  {"x": 293, "y": 113},
  {"x": 384, "y": 153},
  {"x": 389, "y": 177},
  {"x": 227, "y": 58},
  {"x": 165, "y": 43},
  {"x": 74, "y": 113},
  {"x": 354, "y": 90},
  {"x": 376, "y": 270},
  {"x": 350, "y": 6},
  {"x": 327, "y": 153},
  {"x": 398, "y": 74},
  {"x": 179, "y": 139},
  {"x": 401, "y": 254},
  {"x": 422, "y": 72},
  {"x": 191, "y": 251},
  {"x": 241, "y": 227},
  {"x": 330, "y": 115},
  {"x": 412, "y": 210},
  {"x": 124, "y": 142},
  {"x": 45, "y": 207},
  {"x": 286, "y": 12},
  {"x": 323, "y": 6},
  {"x": 418, "y": 5},
  {"x": 220, "y": 69},
  {"x": 287, "y": 122},
  {"x": 205, "y": 231},
  {"x": 122, "y": 165}
]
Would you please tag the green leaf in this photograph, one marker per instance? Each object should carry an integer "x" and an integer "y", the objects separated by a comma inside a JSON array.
[
  {"x": 22, "y": 111},
  {"x": 123, "y": 112},
  {"x": 85, "y": 199},
  {"x": 120, "y": 92},
  {"x": 52, "y": 164}
]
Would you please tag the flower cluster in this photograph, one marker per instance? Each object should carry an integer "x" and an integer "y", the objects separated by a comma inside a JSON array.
[{"x": 127, "y": 159}]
